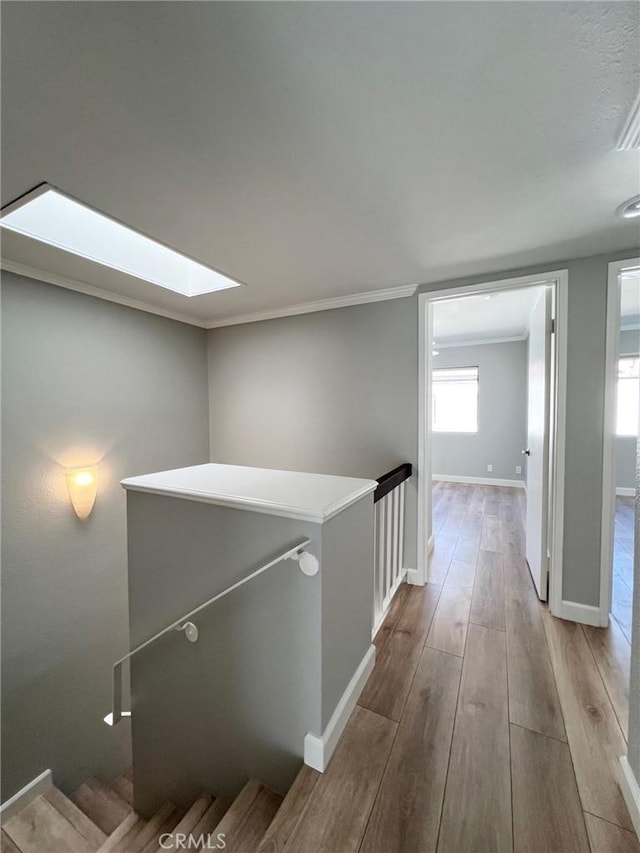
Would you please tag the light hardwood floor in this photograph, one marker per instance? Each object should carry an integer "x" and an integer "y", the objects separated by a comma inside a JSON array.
[{"x": 498, "y": 727}]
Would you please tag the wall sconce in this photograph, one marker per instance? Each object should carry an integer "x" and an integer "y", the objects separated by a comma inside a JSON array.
[{"x": 83, "y": 485}]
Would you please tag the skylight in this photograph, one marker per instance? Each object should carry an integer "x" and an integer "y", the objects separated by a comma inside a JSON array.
[{"x": 48, "y": 215}]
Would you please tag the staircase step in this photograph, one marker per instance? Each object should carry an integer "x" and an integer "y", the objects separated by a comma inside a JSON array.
[
  {"x": 252, "y": 830},
  {"x": 248, "y": 818},
  {"x": 239, "y": 808},
  {"x": 40, "y": 827},
  {"x": 290, "y": 812},
  {"x": 76, "y": 817},
  {"x": 208, "y": 823},
  {"x": 190, "y": 820},
  {"x": 123, "y": 835},
  {"x": 168, "y": 826},
  {"x": 104, "y": 806},
  {"x": 150, "y": 832},
  {"x": 124, "y": 787},
  {"x": 6, "y": 844}
]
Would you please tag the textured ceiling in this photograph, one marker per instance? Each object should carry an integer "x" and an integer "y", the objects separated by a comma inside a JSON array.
[{"x": 315, "y": 150}]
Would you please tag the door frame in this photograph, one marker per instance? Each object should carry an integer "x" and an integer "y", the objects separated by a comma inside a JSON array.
[
  {"x": 559, "y": 281},
  {"x": 612, "y": 351}
]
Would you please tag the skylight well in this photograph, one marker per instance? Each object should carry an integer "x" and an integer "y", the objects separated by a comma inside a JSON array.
[{"x": 50, "y": 216}]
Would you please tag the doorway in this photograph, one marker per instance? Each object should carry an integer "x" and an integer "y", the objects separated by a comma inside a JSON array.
[
  {"x": 457, "y": 396},
  {"x": 622, "y": 415}
]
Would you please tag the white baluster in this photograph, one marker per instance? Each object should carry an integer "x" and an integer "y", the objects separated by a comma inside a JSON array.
[{"x": 401, "y": 530}]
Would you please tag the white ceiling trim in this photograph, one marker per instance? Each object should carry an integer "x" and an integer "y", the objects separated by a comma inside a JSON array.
[
  {"x": 91, "y": 290},
  {"x": 319, "y": 305},
  {"x": 629, "y": 139},
  {"x": 139, "y": 305},
  {"x": 481, "y": 342}
]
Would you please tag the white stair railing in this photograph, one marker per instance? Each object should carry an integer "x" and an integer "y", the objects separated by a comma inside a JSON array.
[{"x": 389, "y": 572}]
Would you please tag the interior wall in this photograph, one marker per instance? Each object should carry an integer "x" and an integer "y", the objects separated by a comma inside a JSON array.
[
  {"x": 334, "y": 392},
  {"x": 83, "y": 381},
  {"x": 502, "y": 414},
  {"x": 626, "y": 445}
]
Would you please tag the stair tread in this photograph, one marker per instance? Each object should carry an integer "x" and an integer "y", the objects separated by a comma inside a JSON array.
[
  {"x": 6, "y": 844},
  {"x": 290, "y": 812},
  {"x": 239, "y": 808},
  {"x": 169, "y": 825},
  {"x": 124, "y": 833},
  {"x": 192, "y": 817},
  {"x": 151, "y": 831},
  {"x": 250, "y": 832},
  {"x": 76, "y": 817},
  {"x": 248, "y": 817},
  {"x": 104, "y": 806},
  {"x": 208, "y": 823},
  {"x": 112, "y": 794},
  {"x": 39, "y": 827},
  {"x": 124, "y": 787}
]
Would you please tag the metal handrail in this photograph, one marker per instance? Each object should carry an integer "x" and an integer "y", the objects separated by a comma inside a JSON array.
[{"x": 308, "y": 565}]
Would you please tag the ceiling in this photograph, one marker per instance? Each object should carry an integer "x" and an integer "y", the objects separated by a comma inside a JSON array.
[
  {"x": 505, "y": 315},
  {"x": 473, "y": 319},
  {"x": 318, "y": 150}
]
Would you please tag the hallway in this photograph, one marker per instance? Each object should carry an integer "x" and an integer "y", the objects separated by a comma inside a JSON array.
[{"x": 487, "y": 725}]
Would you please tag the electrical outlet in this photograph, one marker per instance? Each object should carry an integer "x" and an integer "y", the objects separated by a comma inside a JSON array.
[
  {"x": 489, "y": 468},
  {"x": 518, "y": 469}
]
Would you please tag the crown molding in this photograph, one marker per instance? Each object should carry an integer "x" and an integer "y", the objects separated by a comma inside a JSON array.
[
  {"x": 91, "y": 290},
  {"x": 319, "y": 305},
  {"x": 139, "y": 305},
  {"x": 481, "y": 342},
  {"x": 629, "y": 139}
]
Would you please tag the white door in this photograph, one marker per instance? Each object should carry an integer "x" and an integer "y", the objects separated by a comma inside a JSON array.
[{"x": 538, "y": 442}]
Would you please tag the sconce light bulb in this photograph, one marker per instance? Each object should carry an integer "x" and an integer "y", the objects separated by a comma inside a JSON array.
[{"x": 82, "y": 484}]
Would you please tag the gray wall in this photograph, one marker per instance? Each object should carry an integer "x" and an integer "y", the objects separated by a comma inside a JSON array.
[
  {"x": 626, "y": 445},
  {"x": 333, "y": 392},
  {"x": 82, "y": 380},
  {"x": 502, "y": 413},
  {"x": 273, "y": 658},
  {"x": 337, "y": 392}
]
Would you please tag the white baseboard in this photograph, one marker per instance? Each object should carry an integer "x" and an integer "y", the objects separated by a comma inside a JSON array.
[
  {"x": 630, "y": 792},
  {"x": 478, "y": 481},
  {"x": 587, "y": 614},
  {"x": 413, "y": 578},
  {"x": 411, "y": 575},
  {"x": 625, "y": 493},
  {"x": 319, "y": 749},
  {"x": 40, "y": 785}
]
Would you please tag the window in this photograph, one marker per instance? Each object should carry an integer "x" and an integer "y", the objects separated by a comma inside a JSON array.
[
  {"x": 455, "y": 399},
  {"x": 48, "y": 215},
  {"x": 628, "y": 395}
]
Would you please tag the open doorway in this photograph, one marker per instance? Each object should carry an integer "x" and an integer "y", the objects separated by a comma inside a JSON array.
[
  {"x": 622, "y": 417},
  {"x": 492, "y": 424}
]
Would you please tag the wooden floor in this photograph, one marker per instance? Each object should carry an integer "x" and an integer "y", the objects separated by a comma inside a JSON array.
[
  {"x": 487, "y": 725},
  {"x": 623, "y": 565}
]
